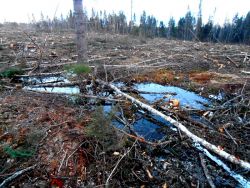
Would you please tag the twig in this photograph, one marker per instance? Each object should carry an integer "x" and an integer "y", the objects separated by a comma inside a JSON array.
[
  {"x": 243, "y": 88},
  {"x": 105, "y": 70},
  {"x": 65, "y": 154},
  {"x": 14, "y": 176},
  {"x": 209, "y": 179},
  {"x": 233, "y": 139},
  {"x": 117, "y": 164},
  {"x": 2, "y": 136},
  {"x": 138, "y": 177},
  {"x": 149, "y": 174},
  {"x": 236, "y": 65},
  {"x": 73, "y": 153}
]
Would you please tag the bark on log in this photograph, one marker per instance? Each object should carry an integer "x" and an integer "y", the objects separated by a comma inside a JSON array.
[
  {"x": 71, "y": 84},
  {"x": 75, "y": 94},
  {"x": 181, "y": 127},
  {"x": 40, "y": 75},
  {"x": 15, "y": 175}
]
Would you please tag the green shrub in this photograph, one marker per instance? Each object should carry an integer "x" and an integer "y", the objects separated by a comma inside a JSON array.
[
  {"x": 18, "y": 153},
  {"x": 78, "y": 69},
  {"x": 102, "y": 129},
  {"x": 10, "y": 72}
]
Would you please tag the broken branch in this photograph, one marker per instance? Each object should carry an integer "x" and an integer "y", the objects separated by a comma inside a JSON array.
[{"x": 14, "y": 176}]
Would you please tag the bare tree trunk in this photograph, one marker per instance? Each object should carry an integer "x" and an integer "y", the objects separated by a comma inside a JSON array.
[{"x": 81, "y": 44}]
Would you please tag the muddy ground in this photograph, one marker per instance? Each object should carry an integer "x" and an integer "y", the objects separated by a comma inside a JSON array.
[{"x": 72, "y": 144}]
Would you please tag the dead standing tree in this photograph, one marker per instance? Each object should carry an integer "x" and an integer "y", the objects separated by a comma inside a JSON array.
[{"x": 81, "y": 44}]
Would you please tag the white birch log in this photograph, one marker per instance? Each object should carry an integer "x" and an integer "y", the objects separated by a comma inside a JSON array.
[
  {"x": 15, "y": 175},
  {"x": 181, "y": 127}
]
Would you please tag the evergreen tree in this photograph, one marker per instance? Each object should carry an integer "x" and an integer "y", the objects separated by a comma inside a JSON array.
[
  {"x": 236, "y": 35},
  {"x": 70, "y": 20},
  {"x": 105, "y": 21},
  {"x": 189, "y": 26},
  {"x": 215, "y": 33},
  {"x": 225, "y": 32},
  {"x": 198, "y": 29},
  {"x": 172, "y": 30},
  {"x": 162, "y": 30},
  {"x": 135, "y": 29},
  {"x": 143, "y": 26},
  {"x": 246, "y": 29},
  {"x": 181, "y": 28},
  {"x": 151, "y": 27},
  {"x": 206, "y": 31},
  {"x": 111, "y": 23}
]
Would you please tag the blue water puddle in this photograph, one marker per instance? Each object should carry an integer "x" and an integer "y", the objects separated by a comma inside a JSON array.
[
  {"x": 107, "y": 109},
  {"x": 52, "y": 79},
  {"x": 148, "y": 130},
  {"x": 119, "y": 84},
  {"x": 151, "y": 130},
  {"x": 66, "y": 90},
  {"x": 142, "y": 127},
  {"x": 186, "y": 98}
]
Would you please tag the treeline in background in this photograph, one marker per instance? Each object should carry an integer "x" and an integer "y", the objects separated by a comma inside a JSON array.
[{"x": 187, "y": 27}]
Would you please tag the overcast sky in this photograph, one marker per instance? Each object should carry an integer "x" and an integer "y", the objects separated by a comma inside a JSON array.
[{"x": 21, "y": 10}]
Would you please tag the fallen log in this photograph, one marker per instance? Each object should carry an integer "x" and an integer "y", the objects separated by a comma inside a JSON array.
[
  {"x": 182, "y": 128},
  {"x": 185, "y": 117},
  {"x": 72, "y": 63},
  {"x": 245, "y": 72},
  {"x": 244, "y": 182},
  {"x": 15, "y": 175},
  {"x": 40, "y": 75},
  {"x": 131, "y": 90},
  {"x": 63, "y": 84},
  {"x": 75, "y": 94}
]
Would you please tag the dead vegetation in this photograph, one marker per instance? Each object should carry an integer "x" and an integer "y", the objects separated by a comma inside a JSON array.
[{"x": 72, "y": 143}]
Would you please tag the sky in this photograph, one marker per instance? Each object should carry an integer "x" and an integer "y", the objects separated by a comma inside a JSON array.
[{"x": 220, "y": 10}]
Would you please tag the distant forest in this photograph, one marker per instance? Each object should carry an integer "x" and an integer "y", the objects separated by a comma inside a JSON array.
[{"x": 187, "y": 27}]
